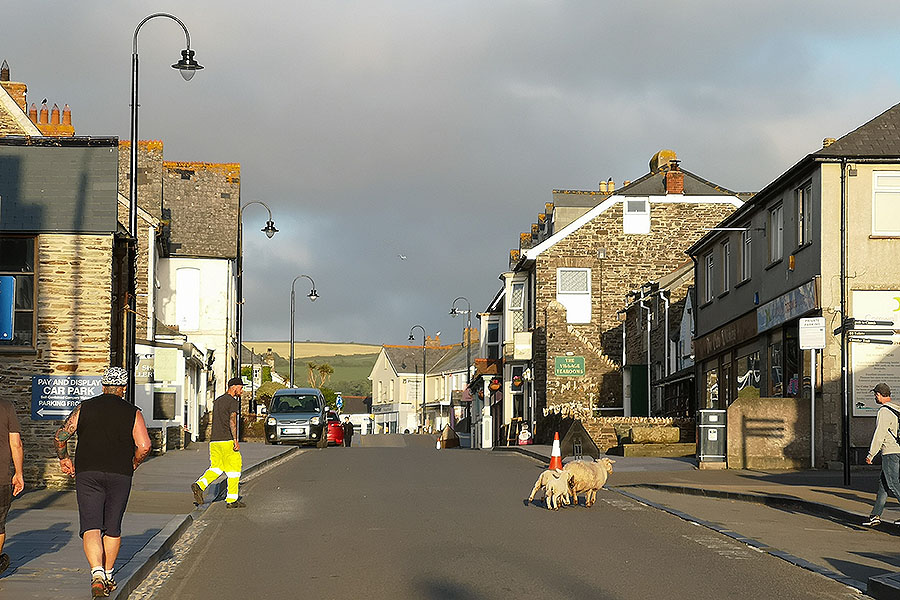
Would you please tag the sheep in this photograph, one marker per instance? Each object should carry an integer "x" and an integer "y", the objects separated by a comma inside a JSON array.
[
  {"x": 548, "y": 479},
  {"x": 588, "y": 477}
]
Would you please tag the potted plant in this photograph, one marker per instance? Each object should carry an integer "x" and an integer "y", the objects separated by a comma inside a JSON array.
[
  {"x": 494, "y": 385},
  {"x": 517, "y": 381}
]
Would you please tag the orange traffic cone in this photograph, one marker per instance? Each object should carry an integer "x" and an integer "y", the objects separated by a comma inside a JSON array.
[{"x": 555, "y": 454}]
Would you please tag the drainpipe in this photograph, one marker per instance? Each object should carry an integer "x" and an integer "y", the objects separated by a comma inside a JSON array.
[
  {"x": 647, "y": 308},
  {"x": 623, "y": 316},
  {"x": 846, "y": 416},
  {"x": 665, "y": 299}
]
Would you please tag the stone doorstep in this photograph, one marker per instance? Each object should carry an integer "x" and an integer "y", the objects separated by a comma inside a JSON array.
[
  {"x": 677, "y": 450},
  {"x": 884, "y": 587}
]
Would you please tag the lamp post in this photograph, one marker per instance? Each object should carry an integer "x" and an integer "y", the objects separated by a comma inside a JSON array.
[
  {"x": 312, "y": 295},
  {"x": 424, "y": 337},
  {"x": 269, "y": 230},
  {"x": 466, "y": 333},
  {"x": 187, "y": 66}
]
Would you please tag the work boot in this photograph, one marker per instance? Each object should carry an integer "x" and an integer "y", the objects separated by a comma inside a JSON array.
[
  {"x": 872, "y": 521},
  {"x": 235, "y": 504},
  {"x": 198, "y": 493}
]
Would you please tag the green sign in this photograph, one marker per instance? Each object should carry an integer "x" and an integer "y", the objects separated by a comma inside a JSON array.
[{"x": 568, "y": 366}]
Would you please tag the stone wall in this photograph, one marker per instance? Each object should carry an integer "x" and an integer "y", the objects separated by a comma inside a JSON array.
[
  {"x": 73, "y": 290},
  {"x": 631, "y": 260},
  {"x": 608, "y": 432},
  {"x": 768, "y": 433}
]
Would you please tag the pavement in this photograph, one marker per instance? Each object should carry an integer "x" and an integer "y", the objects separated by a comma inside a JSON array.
[
  {"x": 47, "y": 560},
  {"x": 820, "y": 493}
]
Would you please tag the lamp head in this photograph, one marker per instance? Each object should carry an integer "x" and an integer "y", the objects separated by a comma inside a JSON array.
[
  {"x": 187, "y": 66},
  {"x": 411, "y": 338},
  {"x": 453, "y": 312},
  {"x": 269, "y": 229},
  {"x": 312, "y": 295}
]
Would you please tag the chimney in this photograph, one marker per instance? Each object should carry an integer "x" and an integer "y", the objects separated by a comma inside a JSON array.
[
  {"x": 4, "y": 71},
  {"x": 54, "y": 115},
  {"x": 674, "y": 179},
  {"x": 827, "y": 142},
  {"x": 603, "y": 187},
  {"x": 610, "y": 185},
  {"x": 32, "y": 113},
  {"x": 67, "y": 115},
  {"x": 16, "y": 90},
  {"x": 45, "y": 114}
]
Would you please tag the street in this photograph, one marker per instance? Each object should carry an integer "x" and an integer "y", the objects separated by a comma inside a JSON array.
[{"x": 398, "y": 519}]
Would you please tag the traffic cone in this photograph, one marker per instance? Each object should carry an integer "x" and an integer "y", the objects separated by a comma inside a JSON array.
[{"x": 555, "y": 454}]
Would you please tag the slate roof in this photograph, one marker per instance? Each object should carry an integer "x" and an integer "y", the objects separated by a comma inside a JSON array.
[
  {"x": 454, "y": 360},
  {"x": 876, "y": 138},
  {"x": 405, "y": 359},
  {"x": 654, "y": 184}
]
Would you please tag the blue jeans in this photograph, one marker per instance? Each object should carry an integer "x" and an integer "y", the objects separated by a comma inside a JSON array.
[{"x": 888, "y": 482}]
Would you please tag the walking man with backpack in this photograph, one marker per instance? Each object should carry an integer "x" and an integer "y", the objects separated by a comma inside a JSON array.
[{"x": 885, "y": 441}]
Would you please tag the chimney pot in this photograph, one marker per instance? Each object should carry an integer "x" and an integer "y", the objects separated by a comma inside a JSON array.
[
  {"x": 610, "y": 185},
  {"x": 4, "y": 71},
  {"x": 45, "y": 114},
  {"x": 67, "y": 115},
  {"x": 603, "y": 187},
  {"x": 54, "y": 115},
  {"x": 32, "y": 113}
]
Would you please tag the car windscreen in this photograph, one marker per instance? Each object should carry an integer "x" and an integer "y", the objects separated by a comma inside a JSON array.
[{"x": 302, "y": 403}]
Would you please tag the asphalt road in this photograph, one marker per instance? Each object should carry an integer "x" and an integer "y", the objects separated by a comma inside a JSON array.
[{"x": 403, "y": 520}]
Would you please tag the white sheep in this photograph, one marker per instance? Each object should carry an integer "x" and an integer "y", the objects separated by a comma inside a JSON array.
[
  {"x": 556, "y": 487},
  {"x": 588, "y": 477}
]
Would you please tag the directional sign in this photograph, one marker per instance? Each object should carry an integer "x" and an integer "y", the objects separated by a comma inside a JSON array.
[
  {"x": 869, "y": 340},
  {"x": 53, "y": 397}
]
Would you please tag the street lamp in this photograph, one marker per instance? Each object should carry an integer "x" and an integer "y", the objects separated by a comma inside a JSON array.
[
  {"x": 424, "y": 337},
  {"x": 312, "y": 295},
  {"x": 187, "y": 66},
  {"x": 269, "y": 230},
  {"x": 466, "y": 333}
]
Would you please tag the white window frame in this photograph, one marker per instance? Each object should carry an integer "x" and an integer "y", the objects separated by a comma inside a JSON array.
[
  {"x": 776, "y": 233},
  {"x": 636, "y": 215},
  {"x": 709, "y": 263},
  {"x": 746, "y": 253},
  {"x": 577, "y": 302},
  {"x": 804, "y": 214},
  {"x": 879, "y": 186},
  {"x": 512, "y": 293},
  {"x": 726, "y": 265}
]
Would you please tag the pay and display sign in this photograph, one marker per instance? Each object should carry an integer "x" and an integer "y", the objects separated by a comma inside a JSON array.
[{"x": 53, "y": 397}]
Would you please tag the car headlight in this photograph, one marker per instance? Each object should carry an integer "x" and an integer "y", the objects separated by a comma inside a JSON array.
[
  {"x": 314, "y": 421},
  {"x": 271, "y": 421}
]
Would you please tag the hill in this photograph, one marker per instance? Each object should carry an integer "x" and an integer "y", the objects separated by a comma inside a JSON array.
[
  {"x": 313, "y": 349},
  {"x": 352, "y": 363}
]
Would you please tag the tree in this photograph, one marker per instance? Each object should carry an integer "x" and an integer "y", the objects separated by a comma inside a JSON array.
[
  {"x": 265, "y": 391},
  {"x": 318, "y": 375}
]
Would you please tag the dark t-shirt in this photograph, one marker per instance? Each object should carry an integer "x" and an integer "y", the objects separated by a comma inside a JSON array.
[
  {"x": 348, "y": 430},
  {"x": 223, "y": 406},
  {"x": 8, "y": 424}
]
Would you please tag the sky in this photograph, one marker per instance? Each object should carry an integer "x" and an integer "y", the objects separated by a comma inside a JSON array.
[{"x": 438, "y": 130}]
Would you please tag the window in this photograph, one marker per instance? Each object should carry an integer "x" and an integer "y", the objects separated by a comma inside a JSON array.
[
  {"x": 776, "y": 233},
  {"x": 637, "y": 206},
  {"x": 747, "y": 374},
  {"x": 516, "y": 306},
  {"x": 804, "y": 214},
  {"x": 886, "y": 203},
  {"x": 17, "y": 261},
  {"x": 745, "y": 253},
  {"x": 709, "y": 289},
  {"x": 636, "y": 215},
  {"x": 776, "y": 367},
  {"x": 573, "y": 290},
  {"x": 711, "y": 385},
  {"x": 493, "y": 340},
  {"x": 726, "y": 265}
]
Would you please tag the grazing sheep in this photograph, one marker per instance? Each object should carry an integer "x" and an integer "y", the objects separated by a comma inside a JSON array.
[
  {"x": 553, "y": 479},
  {"x": 588, "y": 477}
]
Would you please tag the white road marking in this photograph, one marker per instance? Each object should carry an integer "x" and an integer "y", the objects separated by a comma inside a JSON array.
[{"x": 721, "y": 546}]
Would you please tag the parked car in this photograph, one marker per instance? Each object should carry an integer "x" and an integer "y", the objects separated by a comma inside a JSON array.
[
  {"x": 296, "y": 415},
  {"x": 335, "y": 429}
]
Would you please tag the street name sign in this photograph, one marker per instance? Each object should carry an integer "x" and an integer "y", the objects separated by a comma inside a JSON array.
[{"x": 53, "y": 397}]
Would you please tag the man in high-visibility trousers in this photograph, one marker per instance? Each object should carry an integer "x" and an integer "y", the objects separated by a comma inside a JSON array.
[{"x": 224, "y": 449}]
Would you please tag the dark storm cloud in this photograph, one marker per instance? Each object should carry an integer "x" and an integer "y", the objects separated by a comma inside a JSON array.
[{"x": 438, "y": 130}]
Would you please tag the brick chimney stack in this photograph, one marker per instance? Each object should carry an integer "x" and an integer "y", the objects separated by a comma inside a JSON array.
[
  {"x": 674, "y": 179},
  {"x": 16, "y": 90}
]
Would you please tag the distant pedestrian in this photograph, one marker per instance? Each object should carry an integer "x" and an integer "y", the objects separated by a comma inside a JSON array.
[
  {"x": 224, "y": 449},
  {"x": 112, "y": 442},
  {"x": 885, "y": 441},
  {"x": 10, "y": 448},
  {"x": 348, "y": 431}
]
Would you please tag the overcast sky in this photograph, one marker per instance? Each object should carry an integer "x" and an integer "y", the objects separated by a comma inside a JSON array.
[{"x": 437, "y": 130}]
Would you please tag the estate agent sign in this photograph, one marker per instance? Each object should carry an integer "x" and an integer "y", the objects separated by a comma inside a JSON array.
[{"x": 568, "y": 366}]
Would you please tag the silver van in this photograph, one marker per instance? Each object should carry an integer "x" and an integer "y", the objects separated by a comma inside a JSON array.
[{"x": 296, "y": 416}]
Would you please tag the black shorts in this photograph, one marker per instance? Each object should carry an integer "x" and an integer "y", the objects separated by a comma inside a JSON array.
[
  {"x": 5, "y": 501},
  {"x": 102, "y": 498}
]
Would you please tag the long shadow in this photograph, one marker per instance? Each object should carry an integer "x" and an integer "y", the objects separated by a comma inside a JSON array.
[
  {"x": 25, "y": 546},
  {"x": 132, "y": 544},
  {"x": 861, "y": 572}
]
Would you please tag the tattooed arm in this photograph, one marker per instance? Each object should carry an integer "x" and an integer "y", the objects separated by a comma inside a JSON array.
[
  {"x": 61, "y": 439},
  {"x": 142, "y": 443},
  {"x": 232, "y": 422}
]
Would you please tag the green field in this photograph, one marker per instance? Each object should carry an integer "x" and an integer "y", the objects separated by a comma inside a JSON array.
[{"x": 350, "y": 372}]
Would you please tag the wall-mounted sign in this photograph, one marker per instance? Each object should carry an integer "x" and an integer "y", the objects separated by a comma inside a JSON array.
[
  {"x": 787, "y": 306},
  {"x": 568, "y": 366},
  {"x": 871, "y": 364},
  {"x": 7, "y": 306},
  {"x": 53, "y": 397},
  {"x": 812, "y": 333},
  {"x": 522, "y": 345}
]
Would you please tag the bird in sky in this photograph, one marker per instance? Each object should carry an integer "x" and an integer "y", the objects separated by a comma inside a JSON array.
[{"x": 402, "y": 256}]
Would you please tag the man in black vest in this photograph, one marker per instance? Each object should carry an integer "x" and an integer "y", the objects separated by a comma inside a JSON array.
[{"x": 112, "y": 442}]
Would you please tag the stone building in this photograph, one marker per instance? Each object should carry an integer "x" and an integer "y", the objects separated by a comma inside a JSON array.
[
  {"x": 777, "y": 260},
  {"x": 571, "y": 273}
]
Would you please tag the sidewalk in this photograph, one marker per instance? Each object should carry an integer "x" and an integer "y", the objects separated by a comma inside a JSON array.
[
  {"x": 42, "y": 539},
  {"x": 816, "y": 492}
]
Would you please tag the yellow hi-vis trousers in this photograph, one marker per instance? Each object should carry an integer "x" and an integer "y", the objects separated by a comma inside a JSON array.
[{"x": 223, "y": 459}]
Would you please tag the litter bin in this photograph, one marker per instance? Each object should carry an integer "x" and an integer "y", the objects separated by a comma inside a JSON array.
[{"x": 711, "y": 438}]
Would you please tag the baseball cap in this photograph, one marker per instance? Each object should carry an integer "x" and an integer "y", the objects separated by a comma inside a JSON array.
[
  {"x": 883, "y": 389},
  {"x": 235, "y": 381}
]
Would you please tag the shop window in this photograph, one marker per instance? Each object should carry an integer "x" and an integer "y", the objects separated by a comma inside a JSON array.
[
  {"x": 711, "y": 387},
  {"x": 726, "y": 384},
  {"x": 776, "y": 367},
  {"x": 17, "y": 261},
  {"x": 747, "y": 375},
  {"x": 791, "y": 363}
]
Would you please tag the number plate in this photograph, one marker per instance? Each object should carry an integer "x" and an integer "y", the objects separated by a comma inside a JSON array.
[{"x": 293, "y": 430}]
